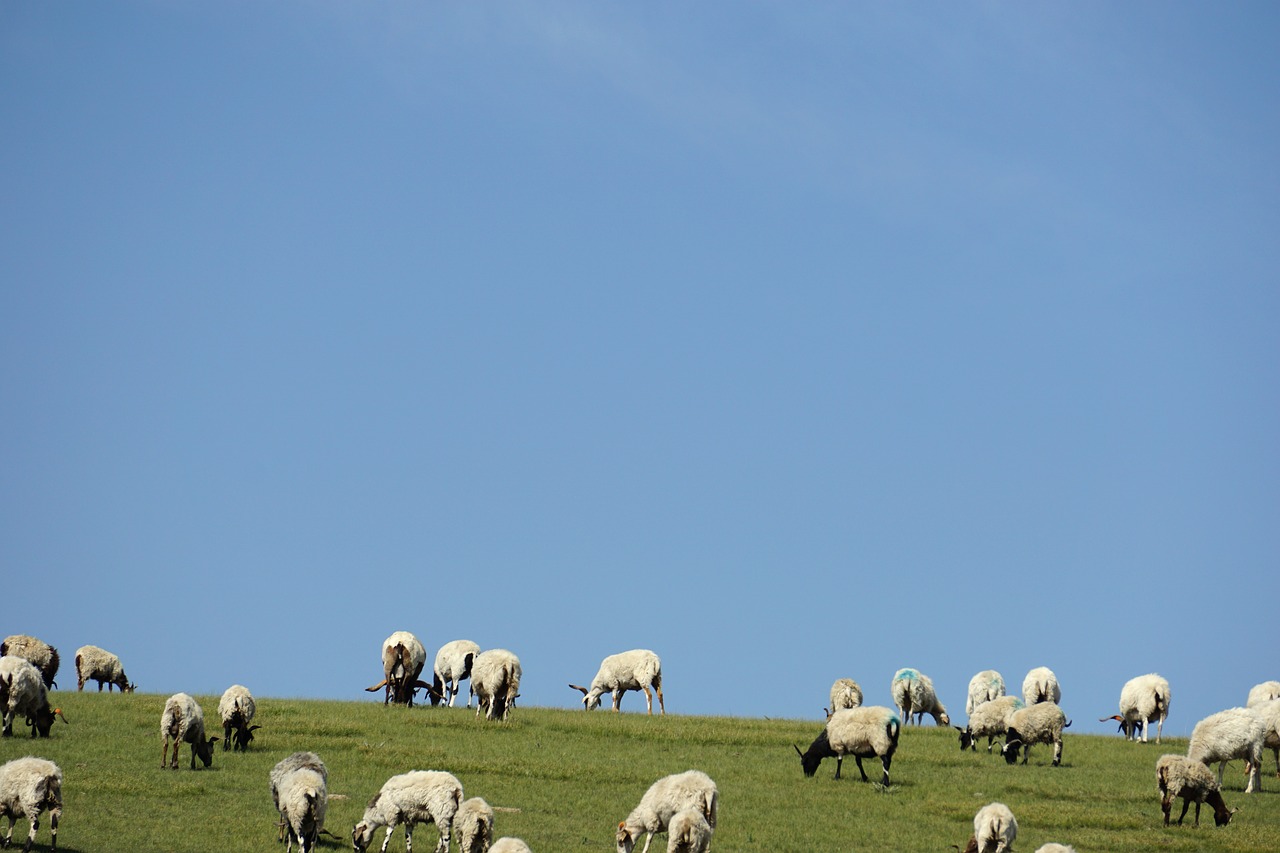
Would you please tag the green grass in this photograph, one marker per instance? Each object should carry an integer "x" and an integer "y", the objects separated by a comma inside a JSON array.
[{"x": 562, "y": 779}]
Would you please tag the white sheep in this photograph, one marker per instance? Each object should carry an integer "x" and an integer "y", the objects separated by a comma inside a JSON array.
[
  {"x": 1180, "y": 776},
  {"x": 913, "y": 693},
  {"x": 403, "y": 658},
  {"x": 994, "y": 830},
  {"x": 989, "y": 720},
  {"x": 1055, "y": 847},
  {"x": 42, "y": 655},
  {"x": 983, "y": 687},
  {"x": 296, "y": 761},
  {"x": 183, "y": 722},
  {"x": 845, "y": 693},
  {"x": 302, "y": 797},
  {"x": 453, "y": 665},
  {"x": 1261, "y": 695},
  {"x": 495, "y": 681},
  {"x": 863, "y": 732},
  {"x": 28, "y": 787},
  {"x": 419, "y": 796},
  {"x": 23, "y": 693},
  {"x": 638, "y": 669},
  {"x": 688, "y": 832},
  {"x": 100, "y": 665},
  {"x": 1041, "y": 685},
  {"x": 1264, "y": 692},
  {"x": 510, "y": 845},
  {"x": 670, "y": 794},
  {"x": 1233, "y": 733},
  {"x": 473, "y": 824},
  {"x": 1142, "y": 700},
  {"x": 1039, "y": 723},
  {"x": 236, "y": 709},
  {"x": 1270, "y": 713}
]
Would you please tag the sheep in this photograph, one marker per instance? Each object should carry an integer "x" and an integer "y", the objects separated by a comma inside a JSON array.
[
  {"x": 474, "y": 826},
  {"x": 453, "y": 665},
  {"x": 29, "y": 786},
  {"x": 913, "y": 693},
  {"x": 302, "y": 797},
  {"x": 23, "y": 692},
  {"x": 1142, "y": 700},
  {"x": 990, "y": 719},
  {"x": 670, "y": 794},
  {"x": 183, "y": 722},
  {"x": 688, "y": 832},
  {"x": 861, "y": 732},
  {"x": 101, "y": 666},
  {"x": 286, "y": 766},
  {"x": 495, "y": 682},
  {"x": 236, "y": 709},
  {"x": 1270, "y": 713},
  {"x": 510, "y": 845},
  {"x": 638, "y": 669},
  {"x": 403, "y": 658},
  {"x": 1264, "y": 692},
  {"x": 1041, "y": 685},
  {"x": 42, "y": 655},
  {"x": 1041, "y": 723},
  {"x": 1180, "y": 776},
  {"x": 1233, "y": 733},
  {"x": 419, "y": 796},
  {"x": 1055, "y": 847},
  {"x": 845, "y": 693},
  {"x": 983, "y": 687},
  {"x": 1259, "y": 697},
  {"x": 994, "y": 830}
]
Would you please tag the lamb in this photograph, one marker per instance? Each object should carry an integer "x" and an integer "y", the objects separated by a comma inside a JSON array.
[
  {"x": 302, "y": 796},
  {"x": 236, "y": 709},
  {"x": 1142, "y": 700},
  {"x": 101, "y": 666},
  {"x": 42, "y": 655},
  {"x": 994, "y": 829},
  {"x": 688, "y": 832},
  {"x": 845, "y": 693},
  {"x": 983, "y": 687},
  {"x": 28, "y": 787},
  {"x": 296, "y": 761},
  {"x": 510, "y": 845},
  {"x": 638, "y": 669},
  {"x": 474, "y": 826},
  {"x": 23, "y": 692},
  {"x": 670, "y": 794},
  {"x": 861, "y": 732},
  {"x": 1180, "y": 776},
  {"x": 403, "y": 658},
  {"x": 990, "y": 719},
  {"x": 495, "y": 682},
  {"x": 183, "y": 722},
  {"x": 1041, "y": 685},
  {"x": 1041, "y": 723},
  {"x": 419, "y": 796},
  {"x": 913, "y": 693},
  {"x": 453, "y": 665},
  {"x": 1233, "y": 733}
]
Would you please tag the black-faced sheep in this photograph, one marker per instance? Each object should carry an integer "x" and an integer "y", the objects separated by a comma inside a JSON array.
[
  {"x": 638, "y": 669},
  {"x": 100, "y": 665},
  {"x": 183, "y": 722},
  {"x": 670, "y": 794},
  {"x": 23, "y": 693},
  {"x": 419, "y": 796},
  {"x": 1040, "y": 723},
  {"x": 1180, "y": 776},
  {"x": 989, "y": 720},
  {"x": 42, "y": 655},
  {"x": 864, "y": 732},
  {"x": 1233, "y": 733},
  {"x": 495, "y": 681},
  {"x": 914, "y": 695},
  {"x": 452, "y": 666},
  {"x": 403, "y": 658},
  {"x": 994, "y": 830},
  {"x": 236, "y": 709},
  {"x": 1142, "y": 700},
  {"x": 29, "y": 787}
]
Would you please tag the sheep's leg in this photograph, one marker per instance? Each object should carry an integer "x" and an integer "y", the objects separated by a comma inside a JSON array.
[
  {"x": 839, "y": 761},
  {"x": 662, "y": 706},
  {"x": 1255, "y": 776},
  {"x": 1185, "y": 805},
  {"x": 1145, "y": 723},
  {"x": 9, "y": 835},
  {"x": 387, "y": 838},
  {"x": 442, "y": 846},
  {"x": 164, "y": 754},
  {"x": 617, "y": 700},
  {"x": 1197, "y": 813},
  {"x": 647, "y": 839},
  {"x": 885, "y": 761},
  {"x": 648, "y": 699},
  {"x": 858, "y": 758},
  {"x": 31, "y": 833},
  {"x": 1166, "y": 803},
  {"x": 1057, "y": 752}
]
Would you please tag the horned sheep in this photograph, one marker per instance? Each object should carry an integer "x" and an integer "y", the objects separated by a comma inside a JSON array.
[
  {"x": 419, "y": 796},
  {"x": 510, "y": 845},
  {"x": 236, "y": 709},
  {"x": 403, "y": 658},
  {"x": 994, "y": 830},
  {"x": 1142, "y": 700},
  {"x": 183, "y": 722},
  {"x": 984, "y": 687},
  {"x": 302, "y": 796},
  {"x": 473, "y": 825},
  {"x": 913, "y": 693},
  {"x": 42, "y": 655},
  {"x": 638, "y": 669},
  {"x": 1233, "y": 733},
  {"x": 29, "y": 787},
  {"x": 670, "y": 794},
  {"x": 845, "y": 693},
  {"x": 495, "y": 681},
  {"x": 452, "y": 665},
  {"x": 286, "y": 766},
  {"x": 864, "y": 732},
  {"x": 1040, "y": 723},
  {"x": 100, "y": 665},
  {"x": 1041, "y": 685},
  {"x": 23, "y": 693},
  {"x": 989, "y": 720},
  {"x": 1180, "y": 776}
]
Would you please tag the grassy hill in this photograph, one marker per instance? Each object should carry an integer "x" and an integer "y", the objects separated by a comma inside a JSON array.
[{"x": 562, "y": 779}]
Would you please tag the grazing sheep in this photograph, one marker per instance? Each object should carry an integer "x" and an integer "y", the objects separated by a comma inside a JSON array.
[
  {"x": 23, "y": 692},
  {"x": 29, "y": 786},
  {"x": 638, "y": 669},
  {"x": 495, "y": 681},
  {"x": 913, "y": 693},
  {"x": 1233, "y": 733},
  {"x": 236, "y": 708},
  {"x": 453, "y": 665},
  {"x": 861, "y": 732},
  {"x": 670, "y": 794},
  {"x": 296, "y": 761},
  {"x": 42, "y": 655},
  {"x": 302, "y": 797},
  {"x": 688, "y": 832},
  {"x": 1264, "y": 692},
  {"x": 510, "y": 845},
  {"x": 1041, "y": 685},
  {"x": 1180, "y": 776},
  {"x": 994, "y": 829},
  {"x": 183, "y": 722},
  {"x": 1270, "y": 713},
  {"x": 403, "y": 658},
  {"x": 474, "y": 826},
  {"x": 1142, "y": 700},
  {"x": 845, "y": 693},
  {"x": 1055, "y": 847},
  {"x": 1042, "y": 723},
  {"x": 990, "y": 720},
  {"x": 983, "y": 687},
  {"x": 419, "y": 796},
  {"x": 100, "y": 665}
]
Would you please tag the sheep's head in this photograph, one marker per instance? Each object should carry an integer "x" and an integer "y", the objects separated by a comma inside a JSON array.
[
  {"x": 1011, "y": 746},
  {"x": 202, "y": 747},
  {"x": 943, "y": 718},
  {"x": 362, "y": 836},
  {"x": 626, "y": 841},
  {"x": 967, "y": 740},
  {"x": 589, "y": 702},
  {"x": 818, "y": 750},
  {"x": 42, "y": 722},
  {"x": 242, "y": 736}
]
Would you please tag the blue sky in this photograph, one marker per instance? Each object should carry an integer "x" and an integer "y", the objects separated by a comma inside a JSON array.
[{"x": 793, "y": 342}]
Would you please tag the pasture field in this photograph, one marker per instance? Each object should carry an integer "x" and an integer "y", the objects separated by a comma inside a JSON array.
[{"x": 562, "y": 779}]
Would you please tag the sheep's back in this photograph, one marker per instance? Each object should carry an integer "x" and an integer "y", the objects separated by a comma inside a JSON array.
[{"x": 1235, "y": 732}]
